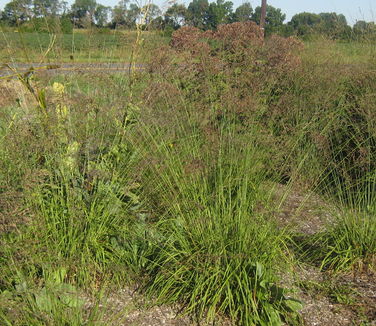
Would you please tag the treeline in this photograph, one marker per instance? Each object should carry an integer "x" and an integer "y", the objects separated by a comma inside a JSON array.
[{"x": 43, "y": 15}]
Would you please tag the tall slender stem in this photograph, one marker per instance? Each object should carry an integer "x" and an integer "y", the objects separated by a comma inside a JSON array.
[{"x": 263, "y": 15}]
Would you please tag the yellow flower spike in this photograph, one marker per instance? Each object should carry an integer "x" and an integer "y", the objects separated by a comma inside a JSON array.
[
  {"x": 70, "y": 162},
  {"x": 62, "y": 111},
  {"x": 58, "y": 88},
  {"x": 73, "y": 148}
]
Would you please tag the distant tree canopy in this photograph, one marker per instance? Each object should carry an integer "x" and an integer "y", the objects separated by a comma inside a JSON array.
[
  {"x": 330, "y": 24},
  {"x": 305, "y": 23},
  {"x": 175, "y": 16},
  {"x": 334, "y": 25},
  {"x": 273, "y": 21},
  {"x": 243, "y": 13},
  {"x": 46, "y": 7},
  {"x": 219, "y": 12},
  {"x": 199, "y": 13},
  {"x": 101, "y": 15},
  {"x": 361, "y": 27},
  {"x": 17, "y": 11}
]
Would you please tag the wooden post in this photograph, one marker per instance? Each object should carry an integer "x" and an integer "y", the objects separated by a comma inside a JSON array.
[{"x": 263, "y": 15}]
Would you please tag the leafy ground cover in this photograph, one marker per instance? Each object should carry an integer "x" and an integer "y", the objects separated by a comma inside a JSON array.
[{"x": 232, "y": 180}]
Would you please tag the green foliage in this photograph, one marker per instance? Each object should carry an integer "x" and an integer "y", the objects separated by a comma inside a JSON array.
[
  {"x": 175, "y": 15},
  {"x": 243, "y": 13},
  {"x": 46, "y": 25},
  {"x": 210, "y": 244},
  {"x": 101, "y": 15},
  {"x": 83, "y": 12},
  {"x": 16, "y": 11},
  {"x": 196, "y": 13},
  {"x": 119, "y": 12},
  {"x": 66, "y": 25},
  {"x": 331, "y": 288},
  {"x": 349, "y": 243},
  {"x": 305, "y": 23},
  {"x": 334, "y": 25},
  {"x": 131, "y": 16},
  {"x": 151, "y": 12},
  {"x": 219, "y": 13},
  {"x": 54, "y": 304},
  {"x": 199, "y": 13},
  {"x": 47, "y": 8},
  {"x": 124, "y": 16},
  {"x": 364, "y": 31},
  {"x": 331, "y": 25},
  {"x": 273, "y": 21}
]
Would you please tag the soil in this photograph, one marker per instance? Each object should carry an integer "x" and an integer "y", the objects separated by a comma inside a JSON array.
[{"x": 126, "y": 307}]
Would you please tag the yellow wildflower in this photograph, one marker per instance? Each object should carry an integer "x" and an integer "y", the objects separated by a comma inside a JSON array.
[
  {"x": 70, "y": 160},
  {"x": 73, "y": 148},
  {"x": 62, "y": 111},
  {"x": 58, "y": 88}
]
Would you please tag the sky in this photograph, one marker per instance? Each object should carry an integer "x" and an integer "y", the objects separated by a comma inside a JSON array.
[{"x": 353, "y": 9}]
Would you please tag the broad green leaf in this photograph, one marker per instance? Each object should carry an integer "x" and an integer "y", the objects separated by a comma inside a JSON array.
[
  {"x": 43, "y": 300},
  {"x": 259, "y": 270},
  {"x": 293, "y": 304},
  {"x": 21, "y": 286}
]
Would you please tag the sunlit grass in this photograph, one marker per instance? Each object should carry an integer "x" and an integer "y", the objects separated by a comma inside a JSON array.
[
  {"x": 166, "y": 180},
  {"x": 80, "y": 46}
]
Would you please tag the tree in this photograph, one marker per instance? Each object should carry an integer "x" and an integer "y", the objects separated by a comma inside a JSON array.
[
  {"x": 83, "y": 12},
  {"x": 274, "y": 18},
  {"x": 132, "y": 15},
  {"x": 334, "y": 25},
  {"x": 360, "y": 26},
  {"x": 243, "y": 13},
  {"x": 197, "y": 12},
  {"x": 101, "y": 15},
  {"x": 331, "y": 19},
  {"x": 305, "y": 23},
  {"x": 175, "y": 16},
  {"x": 42, "y": 8},
  {"x": 158, "y": 23},
  {"x": 219, "y": 12},
  {"x": 363, "y": 29},
  {"x": 66, "y": 25},
  {"x": 149, "y": 13},
  {"x": 119, "y": 12},
  {"x": 64, "y": 8},
  {"x": 17, "y": 11}
]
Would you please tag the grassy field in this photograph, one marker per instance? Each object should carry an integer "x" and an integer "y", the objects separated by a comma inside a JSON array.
[
  {"x": 321, "y": 51},
  {"x": 80, "y": 46},
  {"x": 236, "y": 188}
]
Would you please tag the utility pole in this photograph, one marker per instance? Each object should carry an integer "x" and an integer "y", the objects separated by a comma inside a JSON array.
[{"x": 263, "y": 15}]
